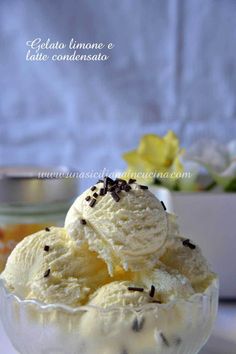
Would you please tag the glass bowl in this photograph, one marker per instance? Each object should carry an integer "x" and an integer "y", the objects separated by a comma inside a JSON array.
[{"x": 178, "y": 327}]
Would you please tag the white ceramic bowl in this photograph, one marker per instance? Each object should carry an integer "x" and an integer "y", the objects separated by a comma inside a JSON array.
[{"x": 208, "y": 218}]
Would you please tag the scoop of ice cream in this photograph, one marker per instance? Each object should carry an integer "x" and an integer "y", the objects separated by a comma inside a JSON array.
[
  {"x": 113, "y": 305},
  {"x": 120, "y": 293},
  {"x": 129, "y": 311},
  {"x": 132, "y": 321},
  {"x": 168, "y": 284},
  {"x": 126, "y": 226},
  {"x": 49, "y": 267},
  {"x": 186, "y": 257}
]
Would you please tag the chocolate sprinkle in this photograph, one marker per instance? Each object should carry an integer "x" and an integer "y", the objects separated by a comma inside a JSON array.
[
  {"x": 152, "y": 291},
  {"x": 115, "y": 196},
  {"x": 105, "y": 183},
  {"x": 137, "y": 325},
  {"x": 177, "y": 341},
  {"x": 131, "y": 180},
  {"x": 47, "y": 229},
  {"x": 83, "y": 222},
  {"x": 133, "y": 288},
  {"x": 127, "y": 188},
  {"x": 102, "y": 191},
  {"x": 156, "y": 302},
  {"x": 46, "y": 274},
  {"x": 92, "y": 203},
  {"x": 187, "y": 243},
  {"x": 121, "y": 182},
  {"x": 164, "y": 340},
  {"x": 164, "y": 207},
  {"x": 143, "y": 187},
  {"x": 108, "y": 181},
  {"x": 112, "y": 188},
  {"x": 46, "y": 248}
]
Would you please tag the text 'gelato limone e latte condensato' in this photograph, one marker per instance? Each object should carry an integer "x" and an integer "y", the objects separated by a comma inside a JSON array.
[{"x": 129, "y": 280}]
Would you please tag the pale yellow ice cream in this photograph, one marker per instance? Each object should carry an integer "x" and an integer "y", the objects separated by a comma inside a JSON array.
[
  {"x": 112, "y": 317},
  {"x": 131, "y": 238},
  {"x": 169, "y": 284},
  {"x": 49, "y": 267},
  {"x": 120, "y": 293},
  {"x": 130, "y": 232},
  {"x": 161, "y": 285},
  {"x": 184, "y": 256}
]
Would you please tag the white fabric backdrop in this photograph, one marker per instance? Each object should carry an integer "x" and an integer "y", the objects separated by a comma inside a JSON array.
[{"x": 173, "y": 67}]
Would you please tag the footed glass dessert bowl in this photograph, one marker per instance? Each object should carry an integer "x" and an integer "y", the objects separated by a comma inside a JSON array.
[{"x": 178, "y": 327}]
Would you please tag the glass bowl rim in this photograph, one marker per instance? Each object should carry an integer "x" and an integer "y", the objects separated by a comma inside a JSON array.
[{"x": 193, "y": 299}]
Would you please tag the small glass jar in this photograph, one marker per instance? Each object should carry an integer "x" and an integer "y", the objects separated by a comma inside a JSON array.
[{"x": 31, "y": 199}]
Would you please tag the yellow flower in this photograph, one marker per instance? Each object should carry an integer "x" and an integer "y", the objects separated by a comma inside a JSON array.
[{"x": 155, "y": 155}]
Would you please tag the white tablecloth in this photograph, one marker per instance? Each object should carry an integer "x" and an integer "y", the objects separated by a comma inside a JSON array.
[{"x": 222, "y": 341}]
